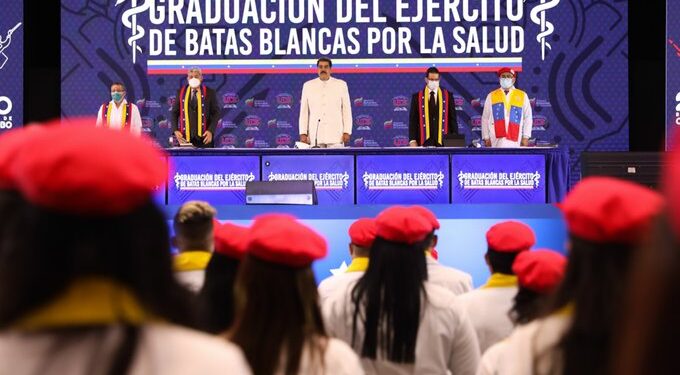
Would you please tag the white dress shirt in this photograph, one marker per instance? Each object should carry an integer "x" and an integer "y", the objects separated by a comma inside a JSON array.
[
  {"x": 330, "y": 285},
  {"x": 116, "y": 121},
  {"x": 325, "y": 105},
  {"x": 529, "y": 350},
  {"x": 454, "y": 280},
  {"x": 162, "y": 349},
  {"x": 488, "y": 309},
  {"x": 338, "y": 359},
  {"x": 446, "y": 340},
  {"x": 488, "y": 130}
]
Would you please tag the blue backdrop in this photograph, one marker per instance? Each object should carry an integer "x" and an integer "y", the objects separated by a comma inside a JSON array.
[
  {"x": 573, "y": 57},
  {"x": 462, "y": 237},
  {"x": 11, "y": 65}
]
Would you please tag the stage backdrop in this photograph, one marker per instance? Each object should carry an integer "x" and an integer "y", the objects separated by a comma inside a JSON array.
[
  {"x": 257, "y": 55},
  {"x": 672, "y": 69},
  {"x": 11, "y": 65}
]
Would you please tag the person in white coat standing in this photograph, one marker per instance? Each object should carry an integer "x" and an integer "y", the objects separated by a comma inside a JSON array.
[
  {"x": 325, "y": 109},
  {"x": 87, "y": 286},
  {"x": 362, "y": 235},
  {"x": 488, "y": 306},
  {"x": 278, "y": 321},
  {"x": 453, "y": 279},
  {"x": 538, "y": 272},
  {"x": 394, "y": 319}
]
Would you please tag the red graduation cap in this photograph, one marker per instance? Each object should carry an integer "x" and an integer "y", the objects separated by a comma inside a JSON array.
[
  {"x": 427, "y": 214},
  {"x": 280, "y": 238},
  {"x": 362, "y": 232},
  {"x": 539, "y": 270},
  {"x": 609, "y": 210},
  {"x": 399, "y": 224},
  {"x": 231, "y": 240},
  {"x": 510, "y": 237},
  {"x": 507, "y": 70},
  {"x": 10, "y": 143},
  {"x": 87, "y": 170}
]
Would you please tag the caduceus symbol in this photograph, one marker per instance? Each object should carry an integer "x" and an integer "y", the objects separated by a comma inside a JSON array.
[
  {"x": 4, "y": 44},
  {"x": 547, "y": 28},
  {"x": 130, "y": 21}
]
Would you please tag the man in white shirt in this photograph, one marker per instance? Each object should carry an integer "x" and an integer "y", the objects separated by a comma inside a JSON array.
[
  {"x": 507, "y": 119},
  {"x": 325, "y": 109},
  {"x": 118, "y": 113}
]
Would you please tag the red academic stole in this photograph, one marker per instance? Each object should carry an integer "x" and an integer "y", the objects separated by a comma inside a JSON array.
[
  {"x": 126, "y": 116},
  {"x": 184, "y": 123},
  {"x": 424, "y": 112},
  {"x": 498, "y": 110}
]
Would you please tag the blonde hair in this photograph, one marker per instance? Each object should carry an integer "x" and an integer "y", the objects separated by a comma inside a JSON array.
[
  {"x": 195, "y": 211},
  {"x": 193, "y": 224}
]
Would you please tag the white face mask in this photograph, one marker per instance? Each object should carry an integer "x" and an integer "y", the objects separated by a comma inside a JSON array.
[
  {"x": 433, "y": 85},
  {"x": 506, "y": 83},
  {"x": 194, "y": 83}
]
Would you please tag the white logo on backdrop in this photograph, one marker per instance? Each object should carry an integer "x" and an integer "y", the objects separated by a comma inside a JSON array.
[
  {"x": 4, "y": 44},
  {"x": 130, "y": 21},
  {"x": 547, "y": 28}
]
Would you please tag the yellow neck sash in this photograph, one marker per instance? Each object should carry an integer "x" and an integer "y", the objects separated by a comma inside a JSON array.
[
  {"x": 500, "y": 280},
  {"x": 191, "y": 260},
  {"x": 427, "y": 116},
  {"x": 87, "y": 302},
  {"x": 199, "y": 121},
  {"x": 359, "y": 264}
]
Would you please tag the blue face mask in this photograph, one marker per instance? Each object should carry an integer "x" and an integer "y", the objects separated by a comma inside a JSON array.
[{"x": 117, "y": 96}]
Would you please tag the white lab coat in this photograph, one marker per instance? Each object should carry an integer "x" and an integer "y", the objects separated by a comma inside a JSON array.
[
  {"x": 330, "y": 285},
  {"x": 490, "y": 362},
  {"x": 454, "y": 280},
  {"x": 325, "y": 105},
  {"x": 446, "y": 340},
  {"x": 488, "y": 309},
  {"x": 488, "y": 131},
  {"x": 339, "y": 359},
  {"x": 161, "y": 349},
  {"x": 192, "y": 280},
  {"x": 116, "y": 121},
  {"x": 529, "y": 350}
]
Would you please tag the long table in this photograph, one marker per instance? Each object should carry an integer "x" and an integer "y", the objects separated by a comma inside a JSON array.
[{"x": 374, "y": 175}]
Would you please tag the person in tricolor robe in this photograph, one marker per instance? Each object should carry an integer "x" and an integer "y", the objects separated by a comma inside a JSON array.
[
  {"x": 195, "y": 112},
  {"x": 507, "y": 118},
  {"x": 118, "y": 113},
  {"x": 433, "y": 113}
]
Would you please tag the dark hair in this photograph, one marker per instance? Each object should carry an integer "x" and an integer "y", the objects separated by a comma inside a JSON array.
[
  {"x": 50, "y": 250},
  {"x": 118, "y": 84},
  {"x": 389, "y": 295},
  {"x": 277, "y": 316},
  {"x": 431, "y": 69},
  {"x": 324, "y": 59},
  {"x": 527, "y": 306},
  {"x": 501, "y": 262},
  {"x": 193, "y": 224},
  {"x": 647, "y": 340},
  {"x": 595, "y": 283},
  {"x": 216, "y": 298}
]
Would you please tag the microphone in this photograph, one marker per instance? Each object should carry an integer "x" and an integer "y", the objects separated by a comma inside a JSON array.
[{"x": 316, "y": 135}]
